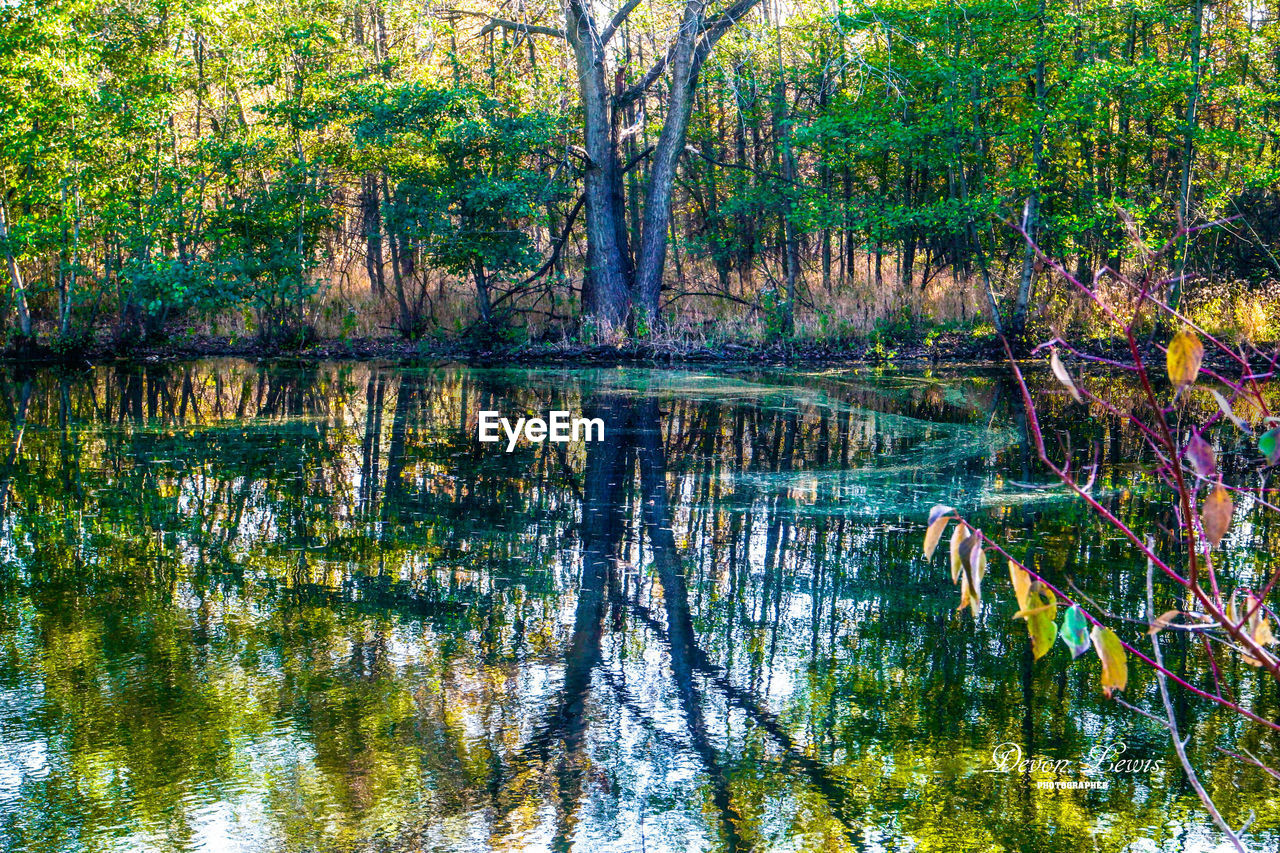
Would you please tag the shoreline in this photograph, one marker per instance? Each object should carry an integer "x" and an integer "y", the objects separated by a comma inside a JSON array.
[
  {"x": 956, "y": 350},
  {"x": 951, "y": 350}
]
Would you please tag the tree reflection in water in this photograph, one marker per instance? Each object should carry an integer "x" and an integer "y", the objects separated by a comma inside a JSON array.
[{"x": 303, "y": 608}]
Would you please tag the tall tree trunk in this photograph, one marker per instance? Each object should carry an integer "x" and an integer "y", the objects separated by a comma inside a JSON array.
[
  {"x": 657, "y": 214},
  {"x": 614, "y": 283},
  {"x": 15, "y": 274},
  {"x": 790, "y": 238},
  {"x": 483, "y": 302},
  {"x": 371, "y": 221},
  {"x": 606, "y": 288},
  {"x": 1188, "y": 151},
  {"x": 1031, "y": 212}
]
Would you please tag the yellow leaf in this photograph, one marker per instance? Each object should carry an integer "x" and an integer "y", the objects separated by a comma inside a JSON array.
[
  {"x": 975, "y": 581},
  {"x": 1115, "y": 671},
  {"x": 958, "y": 535},
  {"x": 937, "y": 523},
  {"x": 1041, "y": 618},
  {"x": 1021, "y": 584},
  {"x": 980, "y": 564},
  {"x": 1262, "y": 632},
  {"x": 974, "y": 564},
  {"x": 1183, "y": 359},
  {"x": 1259, "y": 625},
  {"x": 1215, "y": 515}
]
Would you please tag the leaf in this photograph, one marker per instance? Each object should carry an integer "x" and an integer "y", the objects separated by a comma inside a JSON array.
[
  {"x": 1269, "y": 444},
  {"x": 1200, "y": 454},
  {"x": 1163, "y": 621},
  {"x": 1021, "y": 584},
  {"x": 1040, "y": 618},
  {"x": 974, "y": 582},
  {"x": 1075, "y": 631},
  {"x": 958, "y": 535},
  {"x": 970, "y": 549},
  {"x": 1059, "y": 371},
  {"x": 932, "y": 535},
  {"x": 1226, "y": 409},
  {"x": 938, "y": 519},
  {"x": 974, "y": 562},
  {"x": 1259, "y": 625},
  {"x": 1215, "y": 515},
  {"x": 1262, "y": 632},
  {"x": 1115, "y": 671},
  {"x": 1183, "y": 359}
]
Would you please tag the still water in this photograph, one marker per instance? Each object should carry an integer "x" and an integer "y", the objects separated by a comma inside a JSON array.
[{"x": 272, "y": 608}]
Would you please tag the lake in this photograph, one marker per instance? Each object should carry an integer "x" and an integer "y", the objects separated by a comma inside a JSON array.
[{"x": 302, "y": 608}]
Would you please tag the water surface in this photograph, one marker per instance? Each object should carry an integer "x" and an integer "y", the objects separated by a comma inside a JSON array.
[{"x": 271, "y": 608}]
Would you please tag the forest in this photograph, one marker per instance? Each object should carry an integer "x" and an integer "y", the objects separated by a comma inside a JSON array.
[{"x": 744, "y": 170}]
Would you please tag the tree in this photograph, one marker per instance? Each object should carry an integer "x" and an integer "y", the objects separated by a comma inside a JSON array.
[
  {"x": 462, "y": 191},
  {"x": 618, "y": 290}
]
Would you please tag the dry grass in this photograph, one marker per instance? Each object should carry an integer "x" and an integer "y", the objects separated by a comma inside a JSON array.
[{"x": 346, "y": 308}]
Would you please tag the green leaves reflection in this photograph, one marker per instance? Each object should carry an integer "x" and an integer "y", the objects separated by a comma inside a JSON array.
[{"x": 303, "y": 607}]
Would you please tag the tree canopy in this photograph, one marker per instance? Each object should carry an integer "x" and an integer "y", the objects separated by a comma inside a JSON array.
[{"x": 299, "y": 166}]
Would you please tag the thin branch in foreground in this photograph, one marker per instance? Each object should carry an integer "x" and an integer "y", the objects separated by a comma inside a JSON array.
[{"x": 1179, "y": 744}]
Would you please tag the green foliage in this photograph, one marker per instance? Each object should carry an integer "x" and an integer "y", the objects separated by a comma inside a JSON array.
[
  {"x": 165, "y": 164},
  {"x": 775, "y": 309},
  {"x": 460, "y": 193},
  {"x": 1075, "y": 631}
]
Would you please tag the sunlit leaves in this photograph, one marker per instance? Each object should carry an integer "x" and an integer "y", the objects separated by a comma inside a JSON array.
[
  {"x": 939, "y": 516},
  {"x": 968, "y": 560},
  {"x": 1075, "y": 631},
  {"x": 1061, "y": 374},
  {"x": 1115, "y": 670},
  {"x": 1258, "y": 625},
  {"x": 1183, "y": 359},
  {"x": 1037, "y": 604}
]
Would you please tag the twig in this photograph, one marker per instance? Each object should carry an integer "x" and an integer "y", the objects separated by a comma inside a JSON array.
[{"x": 1179, "y": 745}]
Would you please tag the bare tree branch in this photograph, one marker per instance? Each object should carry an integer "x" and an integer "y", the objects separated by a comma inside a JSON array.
[
  {"x": 635, "y": 90},
  {"x": 617, "y": 19},
  {"x": 504, "y": 24},
  {"x": 1180, "y": 745},
  {"x": 717, "y": 27}
]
